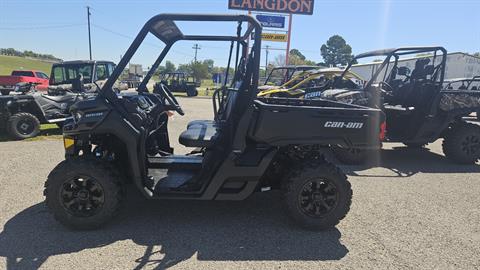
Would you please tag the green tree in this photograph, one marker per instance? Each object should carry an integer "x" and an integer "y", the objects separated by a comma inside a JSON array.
[
  {"x": 199, "y": 70},
  {"x": 210, "y": 65},
  {"x": 336, "y": 51},
  {"x": 296, "y": 53},
  {"x": 296, "y": 58},
  {"x": 477, "y": 54},
  {"x": 169, "y": 67}
]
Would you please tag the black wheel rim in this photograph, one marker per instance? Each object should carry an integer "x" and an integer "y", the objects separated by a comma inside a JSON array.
[
  {"x": 471, "y": 145},
  {"x": 82, "y": 196},
  {"x": 25, "y": 126},
  {"x": 317, "y": 198}
]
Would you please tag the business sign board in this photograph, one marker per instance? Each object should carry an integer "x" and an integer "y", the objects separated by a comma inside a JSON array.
[
  {"x": 304, "y": 7},
  {"x": 271, "y": 21},
  {"x": 275, "y": 37}
]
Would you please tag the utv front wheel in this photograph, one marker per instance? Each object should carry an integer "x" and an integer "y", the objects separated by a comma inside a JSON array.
[
  {"x": 23, "y": 126},
  {"x": 83, "y": 193},
  {"x": 462, "y": 144},
  {"x": 317, "y": 196}
]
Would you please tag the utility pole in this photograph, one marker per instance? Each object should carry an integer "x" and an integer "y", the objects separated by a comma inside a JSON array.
[
  {"x": 266, "y": 59},
  {"x": 196, "y": 47},
  {"x": 89, "y": 36},
  {"x": 290, "y": 17}
]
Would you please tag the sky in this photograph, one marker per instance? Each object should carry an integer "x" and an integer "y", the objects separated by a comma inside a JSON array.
[{"x": 59, "y": 27}]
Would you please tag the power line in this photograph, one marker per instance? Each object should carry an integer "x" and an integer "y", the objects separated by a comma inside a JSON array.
[
  {"x": 41, "y": 27},
  {"x": 131, "y": 38}
]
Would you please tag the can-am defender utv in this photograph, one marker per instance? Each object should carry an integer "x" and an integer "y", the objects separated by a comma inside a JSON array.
[
  {"x": 418, "y": 110},
  {"x": 464, "y": 84},
  {"x": 180, "y": 82},
  {"x": 24, "y": 110},
  {"x": 252, "y": 145}
]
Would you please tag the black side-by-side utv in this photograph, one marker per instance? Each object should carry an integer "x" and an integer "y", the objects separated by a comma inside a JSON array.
[
  {"x": 418, "y": 108},
  {"x": 180, "y": 82},
  {"x": 116, "y": 142},
  {"x": 22, "y": 112}
]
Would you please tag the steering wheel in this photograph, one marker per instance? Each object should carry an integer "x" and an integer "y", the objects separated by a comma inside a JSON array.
[
  {"x": 167, "y": 94},
  {"x": 385, "y": 86}
]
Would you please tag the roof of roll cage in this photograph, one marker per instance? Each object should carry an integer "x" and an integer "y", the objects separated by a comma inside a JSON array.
[
  {"x": 401, "y": 51},
  {"x": 165, "y": 28}
]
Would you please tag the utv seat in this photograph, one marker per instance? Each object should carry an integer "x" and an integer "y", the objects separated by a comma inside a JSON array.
[
  {"x": 199, "y": 135},
  {"x": 202, "y": 123},
  {"x": 58, "y": 99}
]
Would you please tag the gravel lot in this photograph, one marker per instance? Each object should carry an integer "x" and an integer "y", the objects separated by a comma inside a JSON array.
[{"x": 413, "y": 210}]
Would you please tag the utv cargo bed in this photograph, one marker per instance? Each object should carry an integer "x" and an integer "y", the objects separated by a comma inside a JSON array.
[{"x": 311, "y": 122}]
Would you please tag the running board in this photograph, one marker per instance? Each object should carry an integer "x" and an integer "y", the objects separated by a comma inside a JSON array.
[{"x": 53, "y": 121}]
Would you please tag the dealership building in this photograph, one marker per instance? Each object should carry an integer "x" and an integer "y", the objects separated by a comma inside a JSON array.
[{"x": 459, "y": 65}]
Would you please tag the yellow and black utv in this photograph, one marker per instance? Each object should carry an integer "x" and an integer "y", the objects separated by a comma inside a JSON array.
[{"x": 310, "y": 84}]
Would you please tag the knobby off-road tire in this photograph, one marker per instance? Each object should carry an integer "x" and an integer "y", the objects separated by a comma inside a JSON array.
[
  {"x": 84, "y": 193},
  {"x": 22, "y": 126},
  {"x": 462, "y": 143},
  {"x": 192, "y": 92},
  {"x": 350, "y": 156},
  {"x": 316, "y": 195}
]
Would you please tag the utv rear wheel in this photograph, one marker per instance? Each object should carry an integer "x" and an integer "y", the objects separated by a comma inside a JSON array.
[
  {"x": 83, "y": 193},
  {"x": 317, "y": 196},
  {"x": 23, "y": 126},
  {"x": 350, "y": 156},
  {"x": 462, "y": 144}
]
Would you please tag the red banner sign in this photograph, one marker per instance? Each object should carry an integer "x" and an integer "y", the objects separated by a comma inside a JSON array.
[{"x": 280, "y": 6}]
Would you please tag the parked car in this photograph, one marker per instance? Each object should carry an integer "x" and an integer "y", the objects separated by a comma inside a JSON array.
[{"x": 7, "y": 83}]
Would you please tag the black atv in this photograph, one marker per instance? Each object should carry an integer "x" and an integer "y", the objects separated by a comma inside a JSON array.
[
  {"x": 22, "y": 112},
  {"x": 419, "y": 111},
  {"x": 251, "y": 145},
  {"x": 180, "y": 82}
]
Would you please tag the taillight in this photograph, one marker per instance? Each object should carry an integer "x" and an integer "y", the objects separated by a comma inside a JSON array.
[{"x": 383, "y": 130}]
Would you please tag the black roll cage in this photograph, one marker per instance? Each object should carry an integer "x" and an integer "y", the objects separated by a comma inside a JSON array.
[
  {"x": 164, "y": 28},
  {"x": 469, "y": 80},
  {"x": 396, "y": 53}
]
